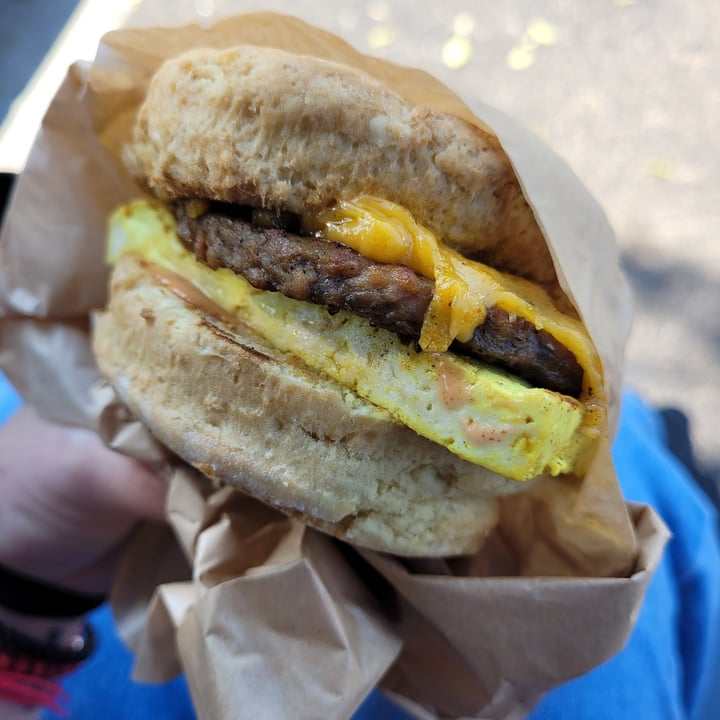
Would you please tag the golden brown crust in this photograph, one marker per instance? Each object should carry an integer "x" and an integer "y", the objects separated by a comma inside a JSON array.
[
  {"x": 260, "y": 126},
  {"x": 247, "y": 415}
]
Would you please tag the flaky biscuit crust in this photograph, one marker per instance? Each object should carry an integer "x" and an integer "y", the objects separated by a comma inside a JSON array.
[
  {"x": 246, "y": 415},
  {"x": 263, "y": 127}
]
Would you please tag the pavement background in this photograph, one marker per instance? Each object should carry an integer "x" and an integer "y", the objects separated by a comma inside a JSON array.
[{"x": 625, "y": 91}]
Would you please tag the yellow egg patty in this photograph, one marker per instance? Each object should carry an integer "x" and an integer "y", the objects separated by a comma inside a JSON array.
[{"x": 477, "y": 412}]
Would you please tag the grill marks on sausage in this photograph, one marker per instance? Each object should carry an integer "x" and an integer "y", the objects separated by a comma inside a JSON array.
[{"x": 389, "y": 296}]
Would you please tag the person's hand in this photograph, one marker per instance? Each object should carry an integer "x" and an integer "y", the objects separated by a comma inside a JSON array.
[{"x": 67, "y": 502}]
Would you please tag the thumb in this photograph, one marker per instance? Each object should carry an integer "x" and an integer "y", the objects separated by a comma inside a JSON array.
[
  {"x": 112, "y": 482},
  {"x": 129, "y": 486}
]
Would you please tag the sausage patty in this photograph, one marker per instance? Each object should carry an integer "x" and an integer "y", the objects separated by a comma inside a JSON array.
[{"x": 390, "y": 296}]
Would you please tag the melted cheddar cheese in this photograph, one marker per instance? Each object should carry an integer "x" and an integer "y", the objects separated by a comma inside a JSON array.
[{"x": 386, "y": 232}]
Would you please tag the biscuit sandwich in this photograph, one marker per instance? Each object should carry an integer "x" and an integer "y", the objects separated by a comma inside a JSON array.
[{"x": 341, "y": 303}]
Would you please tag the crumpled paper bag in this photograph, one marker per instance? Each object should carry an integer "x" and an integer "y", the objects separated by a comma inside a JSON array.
[{"x": 266, "y": 617}]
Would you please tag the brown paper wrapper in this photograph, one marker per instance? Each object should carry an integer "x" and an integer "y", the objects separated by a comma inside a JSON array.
[{"x": 259, "y": 611}]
